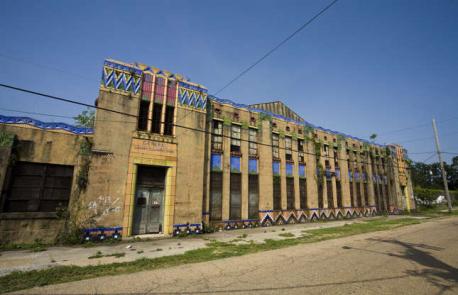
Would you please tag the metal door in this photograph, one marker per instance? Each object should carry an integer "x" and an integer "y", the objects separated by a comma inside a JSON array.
[{"x": 148, "y": 212}]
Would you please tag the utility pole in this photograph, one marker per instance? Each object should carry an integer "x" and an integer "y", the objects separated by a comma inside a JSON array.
[{"x": 444, "y": 173}]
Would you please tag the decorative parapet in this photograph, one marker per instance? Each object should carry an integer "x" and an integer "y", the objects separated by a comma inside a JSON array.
[
  {"x": 45, "y": 125},
  {"x": 192, "y": 96},
  {"x": 121, "y": 78}
]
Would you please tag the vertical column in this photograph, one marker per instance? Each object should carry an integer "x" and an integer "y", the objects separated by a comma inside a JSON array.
[
  {"x": 164, "y": 104},
  {"x": 333, "y": 179},
  {"x": 297, "y": 199},
  {"x": 151, "y": 103},
  {"x": 244, "y": 170},
  {"x": 282, "y": 172},
  {"x": 370, "y": 181},
  {"x": 344, "y": 179},
  {"x": 312, "y": 190},
  {"x": 265, "y": 167},
  {"x": 226, "y": 171}
]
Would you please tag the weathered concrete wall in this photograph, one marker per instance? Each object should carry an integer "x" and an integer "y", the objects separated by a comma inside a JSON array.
[
  {"x": 105, "y": 195},
  {"x": 40, "y": 146},
  {"x": 190, "y": 166}
]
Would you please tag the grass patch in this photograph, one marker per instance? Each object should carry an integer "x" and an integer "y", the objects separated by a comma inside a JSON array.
[
  {"x": 286, "y": 235},
  {"x": 100, "y": 255},
  {"x": 215, "y": 250}
]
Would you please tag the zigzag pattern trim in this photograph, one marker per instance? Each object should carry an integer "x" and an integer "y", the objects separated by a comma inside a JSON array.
[
  {"x": 121, "y": 77},
  {"x": 45, "y": 125},
  {"x": 192, "y": 96}
]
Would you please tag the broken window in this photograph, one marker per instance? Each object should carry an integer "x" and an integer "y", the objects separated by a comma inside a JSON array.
[
  {"x": 235, "y": 139},
  {"x": 300, "y": 149},
  {"x": 288, "y": 148},
  {"x": 36, "y": 187},
  {"x": 275, "y": 146},
  {"x": 252, "y": 142},
  {"x": 217, "y": 136}
]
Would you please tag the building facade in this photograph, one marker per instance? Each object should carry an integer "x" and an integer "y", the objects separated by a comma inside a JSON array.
[{"x": 165, "y": 156}]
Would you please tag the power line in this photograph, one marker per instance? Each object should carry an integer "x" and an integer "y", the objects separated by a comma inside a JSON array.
[
  {"x": 180, "y": 126},
  {"x": 277, "y": 46}
]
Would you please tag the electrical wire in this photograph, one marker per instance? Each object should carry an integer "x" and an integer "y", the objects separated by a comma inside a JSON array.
[
  {"x": 176, "y": 125},
  {"x": 303, "y": 26}
]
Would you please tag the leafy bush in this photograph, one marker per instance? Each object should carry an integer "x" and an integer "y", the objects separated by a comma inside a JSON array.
[{"x": 427, "y": 197}]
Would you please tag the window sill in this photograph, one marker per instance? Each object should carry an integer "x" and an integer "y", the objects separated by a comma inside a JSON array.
[{"x": 28, "y": 215}]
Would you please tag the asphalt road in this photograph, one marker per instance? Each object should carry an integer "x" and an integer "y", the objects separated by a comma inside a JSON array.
[{"x": 417, "y": 259}]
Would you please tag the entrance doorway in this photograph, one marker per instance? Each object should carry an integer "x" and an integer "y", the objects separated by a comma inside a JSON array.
[{"x": 149, "y": 200}]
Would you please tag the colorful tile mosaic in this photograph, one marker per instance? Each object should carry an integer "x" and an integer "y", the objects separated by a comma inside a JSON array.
[
  {"x": 45, "y": 125},
  {"x": 121, "y": 77},
  {"x": 192, "y": 96}
]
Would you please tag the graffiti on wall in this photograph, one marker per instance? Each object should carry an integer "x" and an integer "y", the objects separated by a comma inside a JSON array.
[{"x": 103, "y": 206}]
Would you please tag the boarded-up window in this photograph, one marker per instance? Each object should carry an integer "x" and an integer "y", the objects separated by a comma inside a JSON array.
[
  {"x": 36, "y": 187},
  {"x": 253, "y": 197},
  {"x": 277, "y": 193},
  {"x": 216, "y": 190},
  {"x": 290, "y": 193},
  {"x": 236, "y": 209},
  {"x": 303, "y": 192}
]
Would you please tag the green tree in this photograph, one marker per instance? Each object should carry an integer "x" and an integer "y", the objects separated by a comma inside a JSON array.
[
  {"x": 373, "y": 136},
  {"x": 85, "y": 119}
]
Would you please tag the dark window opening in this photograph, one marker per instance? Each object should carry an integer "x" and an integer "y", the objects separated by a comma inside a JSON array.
[
  {"x": 320, "y": 194},
  {"x": 36, "y": 187},
  {"x": 290, "y": 193},
  {"x": 277, "y": 193},
  {"x": 157, "y": 112},
  {"x": 143, "y": 115},
  {"x": 329, "y": 194},
  {"x": 366, "y": 193},
  {"x": 352, "y": 195},
  {"x": 216, "y": 192},
  {"x": 339, "y": 194},
  {"x": 253, "y": 196},
  {"x": 303, "y": 193},
  {"x": 358, "y": 194},
  {"x": 169, "y": 113},
  {"x": 235, "y": 212}
]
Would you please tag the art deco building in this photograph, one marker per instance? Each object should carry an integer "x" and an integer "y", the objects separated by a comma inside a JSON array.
[{"x": 164, "y": 155}]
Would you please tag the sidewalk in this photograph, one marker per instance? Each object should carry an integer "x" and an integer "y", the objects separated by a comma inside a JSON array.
[{"x": 25, "y": 260}]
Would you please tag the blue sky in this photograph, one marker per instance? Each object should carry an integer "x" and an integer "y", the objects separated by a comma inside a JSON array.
[{"x": 363, "y": 67}]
